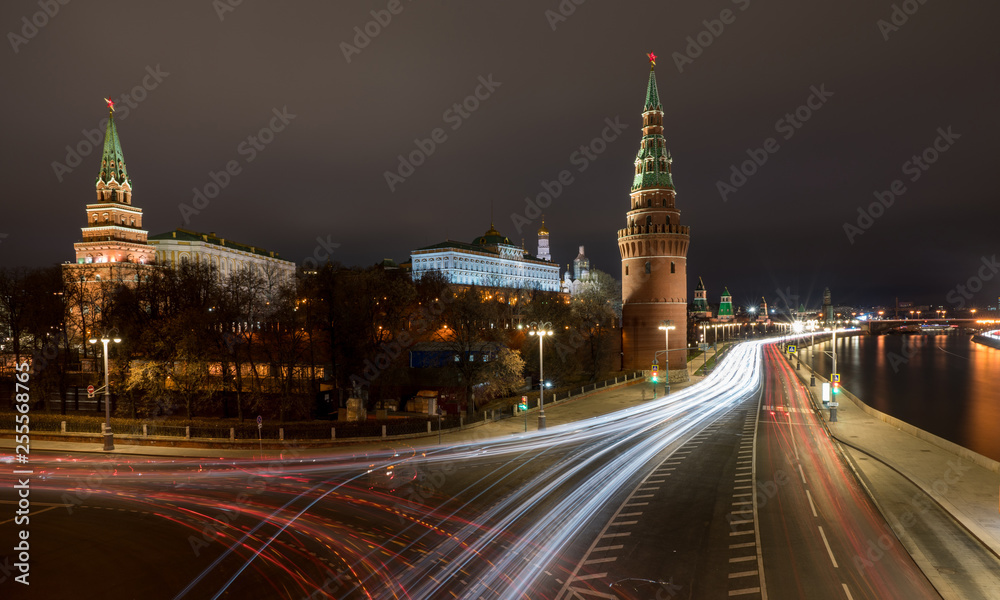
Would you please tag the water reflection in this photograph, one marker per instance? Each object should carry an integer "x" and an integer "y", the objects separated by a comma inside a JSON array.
[{"x": 944, "y": 384}]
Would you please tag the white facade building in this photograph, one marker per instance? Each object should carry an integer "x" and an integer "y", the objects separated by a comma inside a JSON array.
[
  {"x": 174, "y": 247},
  {"x": 490, "y": 260}
]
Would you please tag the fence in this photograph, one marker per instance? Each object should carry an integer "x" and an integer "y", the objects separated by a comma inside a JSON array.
[{"x": 315, "y": 430}]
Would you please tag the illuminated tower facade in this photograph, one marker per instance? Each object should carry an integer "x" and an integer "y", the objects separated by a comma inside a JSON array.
[
  {"x": 653, "y": 247},
  {"x": 726, "y": 306},
  {"x": 543, "y": 243},
  {"x": 113, "y": 233}
]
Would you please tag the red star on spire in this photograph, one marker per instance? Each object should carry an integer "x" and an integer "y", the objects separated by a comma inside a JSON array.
[
  {"x": 111, "y": 104},
  {"x": 652, "y": 59}
]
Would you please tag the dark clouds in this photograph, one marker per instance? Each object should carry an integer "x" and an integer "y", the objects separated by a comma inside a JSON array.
[{"x": 323, "y": 175}]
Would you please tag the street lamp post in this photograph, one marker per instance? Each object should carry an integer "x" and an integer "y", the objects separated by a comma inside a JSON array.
[
  {"x": 109, "y": 438},
  {"x": 541, "y": 330},
  {"x": 666, "y": 326}
]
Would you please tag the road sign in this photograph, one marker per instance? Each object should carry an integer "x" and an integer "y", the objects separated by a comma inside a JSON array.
[
  {"x": 835, "y": 378},
  {"x": 260, "y": 422},
  {"x": 90, "y": 391},
  {"x": 791, "y": 348},
  {"x": 826, "y": 392}
]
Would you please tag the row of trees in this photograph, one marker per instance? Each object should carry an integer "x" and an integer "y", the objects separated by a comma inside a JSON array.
[{"x": 196, "y": 341}]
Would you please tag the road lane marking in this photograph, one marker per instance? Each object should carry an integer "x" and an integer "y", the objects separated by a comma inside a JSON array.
[
  {"x": 735, "y": 533},
  {"x": 745, "y": 545},
  {"x": 801, "y": 472},
  {"x": 636, "y": 504},
  {"x": 743, "y": 558},
  {"x": 596, "y": 561},
  {"x": 828, "y": 549},
  {"x": 744, "y": 591},
  {"x": 621, "y": 523},
  {"x": 741, "y": 522},
  {"x": 635, "y": 514},
  {"x": 603, "y": 548},
  {"x": 644, "y": 496},
  {"x": 742, "y": 574},
  {"x": 847, "y": 591},
  {"x": 811, "y": 505}
]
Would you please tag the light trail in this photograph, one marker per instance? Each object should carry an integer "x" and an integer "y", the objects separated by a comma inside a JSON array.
[{"x": 302, "y": 516}]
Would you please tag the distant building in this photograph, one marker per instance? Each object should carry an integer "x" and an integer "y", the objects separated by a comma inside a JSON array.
[
  {"x": 726, "y": 306},
  {"x": 699, "y": 308},
  {"x": 544, "y": 252},
  {"x": 827, "y": 311},
  {"x": 227, "y": 256},
  {"x": 653, "y": 247},
  {"x": 578, "y": 277},
  {"x": 113, "y": 247},
  {"x": 491, "y": 260}
]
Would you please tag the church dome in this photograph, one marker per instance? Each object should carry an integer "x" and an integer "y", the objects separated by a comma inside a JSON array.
[{"x": 491, "y": 238}]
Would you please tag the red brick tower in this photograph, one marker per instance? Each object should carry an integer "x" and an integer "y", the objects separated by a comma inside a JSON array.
[{"x": 654, "y": 249}]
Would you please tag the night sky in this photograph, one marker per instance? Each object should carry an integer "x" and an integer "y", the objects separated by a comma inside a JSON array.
[{"x": 556, "y": 81}]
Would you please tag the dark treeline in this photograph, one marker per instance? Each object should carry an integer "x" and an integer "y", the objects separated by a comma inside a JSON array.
[{"x": 196, "y": 342}]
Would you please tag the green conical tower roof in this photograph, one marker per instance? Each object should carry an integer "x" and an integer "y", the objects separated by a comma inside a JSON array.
[
  {"x": 652, "y": 95},
  {"x": 726, "y": 306},
  {"x": 653, "y": 159},
  {"x": 112, "y": 159}
]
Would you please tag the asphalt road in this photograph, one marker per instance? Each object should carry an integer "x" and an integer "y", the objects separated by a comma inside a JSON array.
[
  {"x": 658, "y": 501},
  {"x": 822, "y": 536}
]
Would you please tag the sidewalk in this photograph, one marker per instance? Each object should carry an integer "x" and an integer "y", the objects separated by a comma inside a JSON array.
[
  {"x": 962, "y": 482},
  {"x": 577, "y": 408}
]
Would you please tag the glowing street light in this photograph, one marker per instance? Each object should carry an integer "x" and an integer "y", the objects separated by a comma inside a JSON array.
[
  {"x": 541, "y": 329},
  {"x": 109, "y": 438},
  {"x": 666, "y": 326}
]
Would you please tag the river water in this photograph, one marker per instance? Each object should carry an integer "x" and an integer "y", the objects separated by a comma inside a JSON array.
[{"x": 947, "y": 385}]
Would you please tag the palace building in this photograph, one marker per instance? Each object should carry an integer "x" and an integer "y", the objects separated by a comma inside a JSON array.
[
  {"x": 227, "y": 256},
  {"x": 491, "y": 260},
  {"x": 653, "y": 247}
]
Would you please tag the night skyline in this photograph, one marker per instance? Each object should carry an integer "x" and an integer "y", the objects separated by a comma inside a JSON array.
[{"x": 542, "y": 87}]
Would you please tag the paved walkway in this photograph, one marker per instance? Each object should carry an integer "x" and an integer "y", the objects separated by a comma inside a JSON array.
[
  {"x": 592, "y": 404},
  {"x": 965, "y": 484}
]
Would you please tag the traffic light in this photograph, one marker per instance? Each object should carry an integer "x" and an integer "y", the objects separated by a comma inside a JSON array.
[
  {"x": 836, "y": 388},
  {"x": 835, "y": 383},
  {"x": 523, "y": 406},
  {"x": 654, "y": 373}
]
